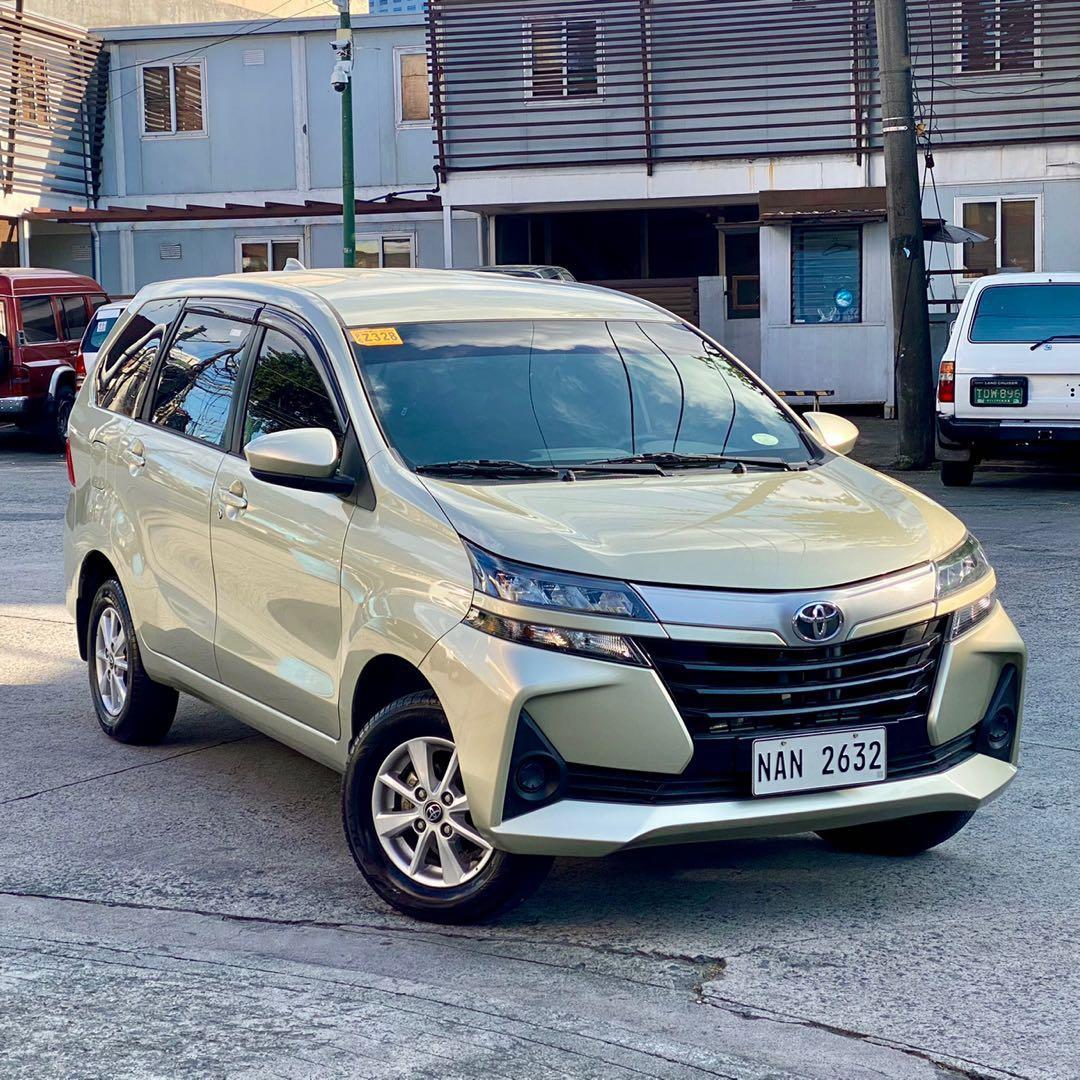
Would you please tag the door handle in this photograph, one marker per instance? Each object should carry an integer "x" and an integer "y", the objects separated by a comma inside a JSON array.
[
  {"x": 231, "y": 500},
  {"x": 133, "y": 454}
]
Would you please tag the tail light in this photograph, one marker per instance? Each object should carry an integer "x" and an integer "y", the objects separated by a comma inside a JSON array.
[
  {"x": 946, "y": 386},
  {"x": 80, "y": 368},
  {"x": 70, "y": 463}
]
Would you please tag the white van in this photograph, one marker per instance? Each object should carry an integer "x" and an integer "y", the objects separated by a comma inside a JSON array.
[{"x": 1009, "y": 381}]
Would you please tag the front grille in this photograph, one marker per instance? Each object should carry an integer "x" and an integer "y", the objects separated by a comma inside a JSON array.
[{"x": 728, "y": 695}]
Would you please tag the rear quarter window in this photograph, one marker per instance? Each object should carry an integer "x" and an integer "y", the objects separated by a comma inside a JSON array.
[
  {"x": 123, "y": 373},
  {"x": 1026, "y": 312}
]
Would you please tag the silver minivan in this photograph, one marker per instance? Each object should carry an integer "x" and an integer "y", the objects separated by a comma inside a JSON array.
[{"x": 540, "y": 568}]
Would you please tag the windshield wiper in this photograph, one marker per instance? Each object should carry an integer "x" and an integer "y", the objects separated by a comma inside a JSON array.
[
  {"x": 487, "y": 467},
  {"x": 671, "y": 460},
  {"x": 1055, "y": 337}
]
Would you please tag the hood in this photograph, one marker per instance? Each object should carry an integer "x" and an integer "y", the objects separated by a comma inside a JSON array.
[{"x": 834, "y": 524}]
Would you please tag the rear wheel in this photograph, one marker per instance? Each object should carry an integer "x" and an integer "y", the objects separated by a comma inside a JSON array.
[
  {"x": 903, "y": 836},
  {"x": 957, "y": 473},
  {"x": 407, "y": 820},
  {"x": 130, "y": 706},
  {"x": 53, "y": 422}
]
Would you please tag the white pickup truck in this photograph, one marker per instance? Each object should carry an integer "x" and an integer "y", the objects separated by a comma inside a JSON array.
[{"x": 1009, "y": 381}]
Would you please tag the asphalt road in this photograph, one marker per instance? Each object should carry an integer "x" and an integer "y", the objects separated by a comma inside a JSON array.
[{"x": 191, "y": 909}]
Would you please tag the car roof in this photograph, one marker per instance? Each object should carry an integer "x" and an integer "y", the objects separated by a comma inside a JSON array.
[
  {"x": 113, "y": 307},
  {"x": 1042, "y": 277},
  {"x": 16, "y": 280},
  {"x": 381, "y": 297}
]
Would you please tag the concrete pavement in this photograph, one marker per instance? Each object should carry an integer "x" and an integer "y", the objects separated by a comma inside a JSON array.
[{"x": 191, "y": 909}]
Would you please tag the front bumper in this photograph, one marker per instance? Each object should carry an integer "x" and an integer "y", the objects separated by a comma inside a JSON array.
[{"x": 611, "y": 716}]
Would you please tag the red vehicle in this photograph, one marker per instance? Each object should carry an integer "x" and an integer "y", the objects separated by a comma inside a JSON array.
[{"x": 43, "y": 314}]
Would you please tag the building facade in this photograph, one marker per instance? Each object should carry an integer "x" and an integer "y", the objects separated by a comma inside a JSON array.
[
  {"x": 726, "y": 158},
  {"x": 221, "y": 152}
]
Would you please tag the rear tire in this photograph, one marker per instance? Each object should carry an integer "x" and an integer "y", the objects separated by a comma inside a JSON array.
[
  {"x": 407, "y": 821},
  {"x": 903, "y": 836},
  {"x": 130, "y": 706},
  {"x": 957, "y": 473}
]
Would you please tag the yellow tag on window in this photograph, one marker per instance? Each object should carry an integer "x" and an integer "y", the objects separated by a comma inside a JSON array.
[{"x": 376, "y": 335}]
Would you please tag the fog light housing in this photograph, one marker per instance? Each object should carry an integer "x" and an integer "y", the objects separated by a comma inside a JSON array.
[
  {"x": 997, "y": 729},
  {"x": 537, "y": 777},
  {"x": 536, "y": 774}
]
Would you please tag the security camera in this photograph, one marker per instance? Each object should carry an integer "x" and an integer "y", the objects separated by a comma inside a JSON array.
[
  {"x": 339, "y": 77},
  {"x": 342, "y": 48}
]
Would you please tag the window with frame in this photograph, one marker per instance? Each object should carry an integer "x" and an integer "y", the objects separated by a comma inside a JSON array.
[
  {"x": 73, "y": 316},
  {"x": 122, "y": 374},
  {"x": 33, "y": 83},
  {"x": 1010, "y": 227},
  {"x": 195, "y": 386},
  {"x": 563, "y": 58},
  {"x": 385, "y": 251},
  {"x": 997, "y": 35},
  {"x": 413, "y": 104},
  {"x": 287, "y": 391},
  {"x": 826, "y": 274},
  {"x": 38, "y": 320},
  {"x": 173, "y": 101},
  {"x": 271, "y": 254}
]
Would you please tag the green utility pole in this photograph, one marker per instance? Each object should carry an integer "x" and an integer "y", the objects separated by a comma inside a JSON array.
[
  {"x": 341, "y": 80},
  {"x": 914, "y": 372}
]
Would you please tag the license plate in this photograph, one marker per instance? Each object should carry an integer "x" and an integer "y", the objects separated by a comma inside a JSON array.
[
  {"x": 999, "y": 392},
  {"x": 811, "y": 762}
]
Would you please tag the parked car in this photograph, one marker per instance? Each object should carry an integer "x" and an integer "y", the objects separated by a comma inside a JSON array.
[
  {"x": 528, "y": 270},
  {"x": 539, "y": 567},
  {"x": 97, "y": 330},
  {"x": 1009, "y": 380},
  {"x": 43, "y": 314}
]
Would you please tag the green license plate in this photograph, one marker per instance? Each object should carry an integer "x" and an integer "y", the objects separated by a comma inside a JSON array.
[{"x": 1000, "y": 392}]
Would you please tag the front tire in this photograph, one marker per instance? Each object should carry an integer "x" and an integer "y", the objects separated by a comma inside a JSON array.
[
  {"x": 407, "y": 820},
  {"x": 130, "y": 706},
  {"x": 957, "y": 473},
  {"x": 903, "y": 836}
]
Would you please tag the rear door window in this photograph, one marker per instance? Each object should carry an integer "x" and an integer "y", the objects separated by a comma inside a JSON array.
[
  {"x": 1026, "y": 313},
  {"x": 122, "y": 374},
  {"x": 38, "y": 319},
  {"x": 197, "y": 382},
  {"x": 73, "y": 316}
]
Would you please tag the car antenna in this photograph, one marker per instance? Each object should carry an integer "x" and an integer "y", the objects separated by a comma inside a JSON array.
[{"x": 293, "y": 264}]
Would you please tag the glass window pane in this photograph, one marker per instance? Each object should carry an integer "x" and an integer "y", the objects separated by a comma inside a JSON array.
[
  {"x": 978, "y": 35},
  {"x": 367, "y": 254},
  {"x": 157, "y": 104},
  {"x": 414, "y": 87},
  {"x": 826, "y": 274},
  {"x": 397, "y": 251},
  {"x": 1026, "y": 313},
  {"x": 982, "y": 217},
  {"x": 283, "y": 250},
  {"x": 195, "y": 388},
  {"x": 38, "y": 321},
  {"x": 1017, "y": 35},
  {"x": 97, "y": 331},
  {"x": 73, "y": 312},
  {"x": 582, "y": 72},
  {"x": 548, "y": 58},
  {"x": 123, "y": 372},
  {"x": 189, "y": 106},
  {"x": 286, "y": 391},
  {"x": 1018, "y": 234},
  {"x": 253, "y": 257}
]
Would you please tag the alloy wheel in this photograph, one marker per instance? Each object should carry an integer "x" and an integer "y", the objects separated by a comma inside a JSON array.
[
  {"x": 111, "y": 661},
  {"x": 421, "y": 815}
]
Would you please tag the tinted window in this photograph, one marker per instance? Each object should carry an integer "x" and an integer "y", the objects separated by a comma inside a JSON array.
[
  {"x": 195, "y": 388},
  {"x": 73, "y": 316},
  {"x": 286, "y": 391},
  {"x": 1026, "y": 312},
  {"x": 97, "y": 331},
  {"x": 122, "y": 374},
  {"x": 567, "y": 392},
  {"x": 38, "y": 321},
  {"x": 826, "y": 274}
]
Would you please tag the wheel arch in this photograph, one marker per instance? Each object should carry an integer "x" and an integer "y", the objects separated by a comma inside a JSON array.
[
  {"x": 62, "y": 376},
  {"x": 94, "y": 571},
  {"x": 384, "y": 678}
]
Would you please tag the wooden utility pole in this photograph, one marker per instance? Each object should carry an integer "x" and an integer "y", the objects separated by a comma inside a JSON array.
[{"x": 911, "y": 316}]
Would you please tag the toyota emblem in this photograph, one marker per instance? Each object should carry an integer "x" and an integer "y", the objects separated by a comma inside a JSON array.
[{"x": 818, "y": 622}]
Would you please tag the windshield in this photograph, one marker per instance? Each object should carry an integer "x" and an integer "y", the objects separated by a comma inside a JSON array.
[
  {"x": 1027, "y": 313},
  {"x": 97, "y": 331},
  {"x": 565, "y": 392}
]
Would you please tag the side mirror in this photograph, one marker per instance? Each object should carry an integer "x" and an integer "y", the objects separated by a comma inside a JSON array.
[
  {"x": 300, "y": 458},
  {"x": 834, "y": 431}
]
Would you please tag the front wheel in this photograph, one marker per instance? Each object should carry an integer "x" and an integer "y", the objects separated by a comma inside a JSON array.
[
  {"x": 407, "y": 820},
  {"x": 957, "y": 473},
  {"x": 903, "y": 836}
]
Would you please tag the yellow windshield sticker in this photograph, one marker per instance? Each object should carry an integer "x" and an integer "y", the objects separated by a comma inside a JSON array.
[{"x": 376, "y": 335}]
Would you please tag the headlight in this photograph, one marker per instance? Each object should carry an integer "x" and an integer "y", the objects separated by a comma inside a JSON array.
[
  {"x": 584, "y": 642},
  {"x": 530, "y": 585},
  {"x": 963, "y": 566}
]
